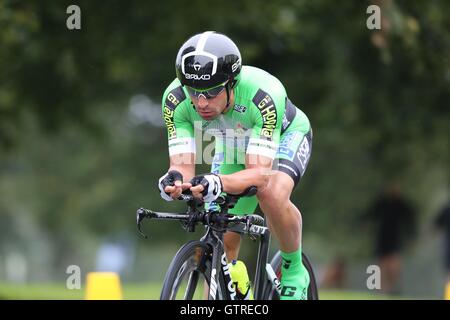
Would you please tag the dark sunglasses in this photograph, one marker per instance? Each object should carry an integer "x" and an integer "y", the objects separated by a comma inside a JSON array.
[{"x": 208, "y": 94}]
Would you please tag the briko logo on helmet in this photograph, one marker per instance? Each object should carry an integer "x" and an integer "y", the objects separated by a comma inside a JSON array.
[{"x": 194, "y": 76}]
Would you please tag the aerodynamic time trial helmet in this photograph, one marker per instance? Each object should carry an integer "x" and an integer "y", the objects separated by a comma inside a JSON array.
[{"x": 208, "y": 60}]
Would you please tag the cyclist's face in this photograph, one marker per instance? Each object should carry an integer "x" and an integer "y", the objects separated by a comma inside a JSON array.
[{"x": 211, "y": 108}]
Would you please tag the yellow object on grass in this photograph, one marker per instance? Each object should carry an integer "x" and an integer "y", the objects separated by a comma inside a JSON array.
[{"x": 103, "y": 286}]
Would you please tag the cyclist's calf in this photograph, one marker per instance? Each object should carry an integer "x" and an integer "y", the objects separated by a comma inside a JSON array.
[{"x": 284, "y": 219}]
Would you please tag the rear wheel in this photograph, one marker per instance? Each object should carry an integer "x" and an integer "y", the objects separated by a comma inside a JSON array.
[
  {"x": 189, "y": 273},
  {"x": 272, "y": 294}
]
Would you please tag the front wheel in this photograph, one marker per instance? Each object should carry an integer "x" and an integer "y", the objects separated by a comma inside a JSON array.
[
  {"x": 272, "y": 294},
  {"x": 188, "y": 273}
]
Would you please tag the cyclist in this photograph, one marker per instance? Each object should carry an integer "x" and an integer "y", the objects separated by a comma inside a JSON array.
[{"x": 261, "y": 139}]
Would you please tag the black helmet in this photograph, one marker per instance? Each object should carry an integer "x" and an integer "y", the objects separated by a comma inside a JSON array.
[{"x": 207, "y": 60}]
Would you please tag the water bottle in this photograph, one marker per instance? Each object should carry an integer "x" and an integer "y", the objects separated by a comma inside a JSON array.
[{"x": 240, "y": 279}]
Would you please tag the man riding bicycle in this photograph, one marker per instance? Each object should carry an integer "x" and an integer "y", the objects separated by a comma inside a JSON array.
[{"x": 261, "y": 139}]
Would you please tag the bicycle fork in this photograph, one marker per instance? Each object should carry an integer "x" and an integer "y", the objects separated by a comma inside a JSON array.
[
  {"x": 220, "y": 267},
  {"x": 213, "y": 283}
]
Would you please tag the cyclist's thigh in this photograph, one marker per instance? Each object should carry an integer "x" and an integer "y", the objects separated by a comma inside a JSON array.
[
  {"x": 245, "y": 205},
  {"x": 294, "y": 152}
]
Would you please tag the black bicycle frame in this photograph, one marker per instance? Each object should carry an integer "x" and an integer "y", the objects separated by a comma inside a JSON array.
[
  {"x": 214, "y": 238},
  {"x": 219, "y": 261}
]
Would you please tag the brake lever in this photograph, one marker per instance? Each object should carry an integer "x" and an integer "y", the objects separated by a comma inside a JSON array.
[
  {"x": 247, "y": 226},
  {"x": 141, "y": 215}
]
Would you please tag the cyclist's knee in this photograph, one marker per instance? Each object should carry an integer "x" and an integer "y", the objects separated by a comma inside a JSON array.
[{"x": 278, "y": 190}]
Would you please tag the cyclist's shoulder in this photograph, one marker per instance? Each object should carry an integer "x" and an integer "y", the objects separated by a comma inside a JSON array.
[
  {"x": 174, "y": 95},
  {"x": 257, "y": 78},
  {"x": 256, "y": 83}
]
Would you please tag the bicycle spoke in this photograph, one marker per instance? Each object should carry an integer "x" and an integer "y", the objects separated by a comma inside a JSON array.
[
  {"x": 192, "y": 285},
  {"x": 178, "y": 279},
  {"x": 188, "y": 273}
]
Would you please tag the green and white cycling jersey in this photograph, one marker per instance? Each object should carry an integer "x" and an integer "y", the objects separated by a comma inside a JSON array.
[{"x": 262, "y": 121}]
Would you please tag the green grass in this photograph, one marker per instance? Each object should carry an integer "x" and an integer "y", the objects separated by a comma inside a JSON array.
[
  {"x": 355, "y": 295},
  {"x": 60, "y": 292},
  {"x": 55, "y": 291}
]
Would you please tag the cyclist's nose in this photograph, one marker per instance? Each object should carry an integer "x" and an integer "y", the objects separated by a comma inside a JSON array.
[{"x": 202, "y": 101}]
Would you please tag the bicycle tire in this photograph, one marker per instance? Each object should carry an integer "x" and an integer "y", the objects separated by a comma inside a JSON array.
[
  {"x": 194, "y": 260},
  {"x": 272, "y": 294}
]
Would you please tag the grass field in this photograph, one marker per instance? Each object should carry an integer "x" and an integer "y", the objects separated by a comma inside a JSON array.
[{"x": 143, "y": 292}]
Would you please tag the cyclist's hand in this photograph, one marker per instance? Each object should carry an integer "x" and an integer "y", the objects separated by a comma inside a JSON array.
[
  {"x": 171, "y": 185},
  {"x": 176, "y": 190},
  {"x": 209, "y": 186}
]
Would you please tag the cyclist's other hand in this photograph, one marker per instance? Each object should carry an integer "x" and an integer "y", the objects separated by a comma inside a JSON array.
[
  {"x": 171, "y": 185},
  {"x": 209, "y": 186},
  {"x": 176, "y": 190},
  {"x": 197, "y": 191}
]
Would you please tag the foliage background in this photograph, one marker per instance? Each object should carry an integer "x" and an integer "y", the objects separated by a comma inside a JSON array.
[{"x": 82, "y": 143}]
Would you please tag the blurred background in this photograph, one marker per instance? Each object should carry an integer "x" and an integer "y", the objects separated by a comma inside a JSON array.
[{"x": 82, "y": 141}]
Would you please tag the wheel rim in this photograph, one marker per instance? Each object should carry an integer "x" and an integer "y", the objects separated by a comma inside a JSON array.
[{"x": 187, "y": 281}]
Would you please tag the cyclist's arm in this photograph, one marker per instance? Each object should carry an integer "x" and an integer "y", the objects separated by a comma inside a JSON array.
[
  {"x": 257, "y": 173},
  {"x": 184, "y": 163},
  {"x": 180, "y": 132},
  {"x": 267, "y": 112}
]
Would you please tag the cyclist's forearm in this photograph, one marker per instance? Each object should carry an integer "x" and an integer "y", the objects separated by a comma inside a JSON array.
[
  {"x": 187, "y": 172},
  {"x": 239, "y": 181},
  {"x": 185, "y": 164}
]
